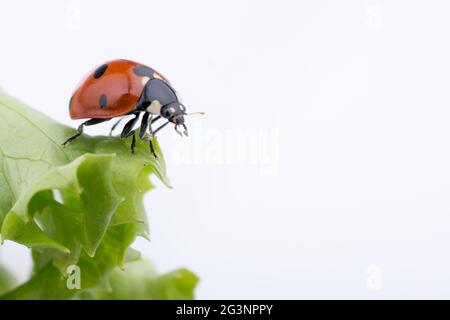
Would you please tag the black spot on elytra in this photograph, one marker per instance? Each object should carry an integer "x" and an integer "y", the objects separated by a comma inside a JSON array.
[
  {"x": 143, "y": 71},
  {"x": 100, "y": 71},
  {"x": 103, "y": 101}
]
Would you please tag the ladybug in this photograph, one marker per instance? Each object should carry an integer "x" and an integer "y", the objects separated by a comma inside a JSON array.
[{"x": 120, "y": 88}]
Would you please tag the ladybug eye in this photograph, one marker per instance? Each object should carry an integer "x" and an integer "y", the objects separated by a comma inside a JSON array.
[{"x": 167, "y": 113}]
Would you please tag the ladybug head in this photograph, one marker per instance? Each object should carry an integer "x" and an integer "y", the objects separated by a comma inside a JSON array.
[
  {"x": 175, "y": 112},
  {"x": 163, "y": 99}
]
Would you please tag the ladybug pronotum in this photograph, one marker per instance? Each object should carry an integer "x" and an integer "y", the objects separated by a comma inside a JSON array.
[{"x": 122, "y": 87}]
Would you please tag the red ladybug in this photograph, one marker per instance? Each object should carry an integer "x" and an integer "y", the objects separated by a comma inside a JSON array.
[{"x": 122, "y": 87}]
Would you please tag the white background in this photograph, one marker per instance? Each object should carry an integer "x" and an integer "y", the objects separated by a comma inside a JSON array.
[{"x": 352, "y": 198}]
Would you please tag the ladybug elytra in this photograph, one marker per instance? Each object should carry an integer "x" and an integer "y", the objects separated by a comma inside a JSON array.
[{"x": 122, "y": 87}]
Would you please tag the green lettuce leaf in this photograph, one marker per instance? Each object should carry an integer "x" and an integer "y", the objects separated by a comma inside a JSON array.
[
  {"x": 75, "y": 205},
  {"x": 7, "y": 280},
  {"x": 139, "y": 280}
]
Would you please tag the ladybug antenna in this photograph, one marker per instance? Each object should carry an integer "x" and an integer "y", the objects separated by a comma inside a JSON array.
[{"x": 198, "y": 112}]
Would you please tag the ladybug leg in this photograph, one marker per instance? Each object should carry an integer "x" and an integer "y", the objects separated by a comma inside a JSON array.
[
  {"x": 150, "y": 129},
  {"x": 144, "y": 127},
  {"x": 90, "y": 122},
  {"x": 150, "y": 140},
  {"x": 160, "y": 127},
  {"x": 152, "y": 148},
  {"x": 129, "y": 127},
  {"x": 157, "y": 118},
  {"x": 115, "y": 126},
  {"x": 128, "y": 131},
  {"x": 133, "y": 141},
  {"x": 143, "y": 130}
]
